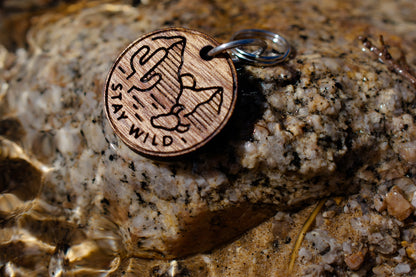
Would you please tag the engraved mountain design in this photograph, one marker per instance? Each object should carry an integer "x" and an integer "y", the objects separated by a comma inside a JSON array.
[
  {"x": 178, "y": 117},
  {"x": 187, "y": 103}
]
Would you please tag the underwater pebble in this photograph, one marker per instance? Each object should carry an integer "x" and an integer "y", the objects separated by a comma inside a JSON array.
[
  {"x": 397, "y": 205},
  {"x": 355, "y": 260}
]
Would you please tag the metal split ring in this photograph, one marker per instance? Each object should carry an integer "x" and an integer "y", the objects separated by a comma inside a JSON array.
[{"x": 273, "y": 49}]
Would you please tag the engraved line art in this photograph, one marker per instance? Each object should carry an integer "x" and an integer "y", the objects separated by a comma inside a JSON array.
[
  {"x": 122, "y": 69},
  {"x": 195, "y": 122},
  {"x": 153, "y": 76},
  {"x": 157, "y": 100},
  {"x": 138, "y": 117},
  {"x": 138, "y": 101},
  {"x": 164, "y": 78},
  {"x": 177, "y": 118}
]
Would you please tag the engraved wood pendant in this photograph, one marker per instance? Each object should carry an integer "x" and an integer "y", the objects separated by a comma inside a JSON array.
[{"x": 164, "y": 98}]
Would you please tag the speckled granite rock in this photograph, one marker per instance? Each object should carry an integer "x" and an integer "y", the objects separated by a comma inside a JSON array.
[{"x": 333, "y": 120}]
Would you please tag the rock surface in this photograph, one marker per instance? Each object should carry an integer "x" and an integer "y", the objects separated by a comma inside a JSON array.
[
  {"x": 397, "y": 205},
  {"x": 333, "y": 120}
]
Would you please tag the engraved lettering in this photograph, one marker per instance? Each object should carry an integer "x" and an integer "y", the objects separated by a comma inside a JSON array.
[
  {"x": 116, "y": 87},
  {"x": 117, "y": 97},
  {"x": 136, "y": 131},
  {"x": 117, "y": 107},
  {"x": 145, "y": 138},
  {"x": 123, "y": 115},
  {"x": 154, "y": 140},
  {"x": 167, "y": 140}
]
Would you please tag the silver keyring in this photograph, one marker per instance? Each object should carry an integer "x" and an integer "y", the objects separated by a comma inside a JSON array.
[
  {"x": 236, "y": 43},
  {"x": 274, "y": 48}
]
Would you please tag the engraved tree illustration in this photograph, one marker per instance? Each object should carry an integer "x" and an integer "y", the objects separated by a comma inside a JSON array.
[{"x": 162, "y": 76}]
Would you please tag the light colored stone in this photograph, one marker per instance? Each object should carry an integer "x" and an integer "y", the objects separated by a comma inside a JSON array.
[
  {"x": 402, "y": 268},
  {"x": 397, "y": 205},
  {"x": 355, "y": 260},
  {"x": 410, "y": 249},
  {"x": 383, "y": 270},
  {"x": 379, "y": 203}
]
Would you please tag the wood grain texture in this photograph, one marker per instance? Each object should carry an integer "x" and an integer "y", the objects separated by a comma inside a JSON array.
[{"x": 164, "y": 99}]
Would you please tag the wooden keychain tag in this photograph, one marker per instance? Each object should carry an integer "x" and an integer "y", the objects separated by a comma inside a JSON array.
[
  {"x": 165, "y": 96},
  {"x": 164, "y": 99}
]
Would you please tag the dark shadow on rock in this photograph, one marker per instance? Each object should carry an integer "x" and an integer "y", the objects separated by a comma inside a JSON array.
[
  {"x": 211, "y": 229},
  {"x": 12, "y": 129},
  {"x": 19, "y": 177}
]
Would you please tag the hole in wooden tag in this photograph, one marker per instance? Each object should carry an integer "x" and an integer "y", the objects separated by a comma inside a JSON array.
[{"x": 204, "y": 53}]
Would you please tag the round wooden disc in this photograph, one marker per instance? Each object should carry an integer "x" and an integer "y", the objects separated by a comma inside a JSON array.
[{"x": 165, "y": 98}]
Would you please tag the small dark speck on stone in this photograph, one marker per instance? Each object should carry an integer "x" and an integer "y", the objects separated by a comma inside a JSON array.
[
  {"x": 275, "y": 244},
  {"x": 338, "y": 85},
  {"x": 131, "y": 166},
  {"x": 105, "y": 201}
]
